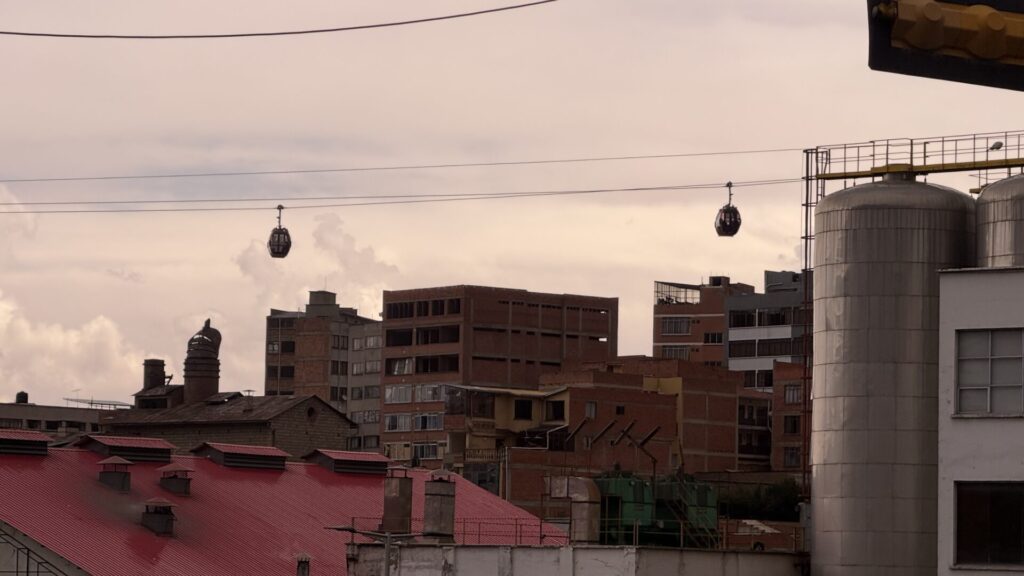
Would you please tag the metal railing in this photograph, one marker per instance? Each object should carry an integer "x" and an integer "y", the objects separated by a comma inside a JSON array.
[{"x": 486, "y": 531}]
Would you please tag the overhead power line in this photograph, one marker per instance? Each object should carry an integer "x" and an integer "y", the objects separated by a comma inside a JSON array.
[
  {"x": 279, "y": 33},
  {"x": 379, "y": 200},
  {"x": 396, "y": 167}
]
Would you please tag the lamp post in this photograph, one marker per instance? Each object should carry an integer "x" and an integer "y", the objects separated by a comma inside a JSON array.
[{"x": 386, "y": 537}]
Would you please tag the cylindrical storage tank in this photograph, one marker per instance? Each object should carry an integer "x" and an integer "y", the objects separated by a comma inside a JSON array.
[
  {"x": 874, "y": 441},
  {"x": 1001, "y": 224}
]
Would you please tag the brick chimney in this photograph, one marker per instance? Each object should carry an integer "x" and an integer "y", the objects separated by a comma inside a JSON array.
[
  {"x": 202, "y": 365},
  {"x": 153, "y": 374},
  {"x": 397, "y": 502}
]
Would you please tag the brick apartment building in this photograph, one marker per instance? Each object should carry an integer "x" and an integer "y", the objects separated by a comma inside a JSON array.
[
  {"x": 330, "y": 352},
  {"x": 788, "y": 418},
  {"x": 476, "y": 336},
  {"x": 690, "y": 321}
]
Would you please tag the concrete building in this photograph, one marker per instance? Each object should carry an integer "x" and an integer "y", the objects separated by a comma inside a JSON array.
[
  {"x": 330, "y": 352},
  {"x": 767, "y": 328},
  {"x": 690, "y": 321},
  {"x": 981, "y": 474},
  {"x": 56, "y": 421},
  {"x": 476, "y": 336}
]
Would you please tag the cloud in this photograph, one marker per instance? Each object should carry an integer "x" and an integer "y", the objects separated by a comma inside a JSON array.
[
  {"x": 125, "y": 274},
  {"x": 52, "y": 361}
]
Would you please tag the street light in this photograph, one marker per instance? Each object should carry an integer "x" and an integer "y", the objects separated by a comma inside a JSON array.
[{"x": 385, "y": 537}]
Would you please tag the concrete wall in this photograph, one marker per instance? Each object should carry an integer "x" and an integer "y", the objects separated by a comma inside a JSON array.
[
  {"x": 973, "y": 448},
  {"x": 425, "y": 560}
]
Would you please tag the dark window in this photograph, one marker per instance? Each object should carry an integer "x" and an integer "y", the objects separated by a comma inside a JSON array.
[
  {"x": 620, "y": 410},
  {"x": 437, "y": 307},
  {"x": 339, "y": 342},
  {"x": 554, "y": 410},
  {"x": 454, "y": 305},
  {"x": 372, "y": 392},
  {"x": 355, "y": 443},
  {"x": 395, "y": 310},
  {"x": 675, "y": 325},
  {"x": 53, "y": 425},
  {"x": 423, "y": 308},
  {"x": 445, "y": 363},
  {"x": 775, "y": 347},
  {"x": 677, "y": 352},
  {"x": 742, "y": 349},
  {"x": 990, "y": 523},
  {"x": 591, "y": 410},
  {"x": 288, "y": 347},
  {"x": 793, "y": 395},
  {"x": 712, "y": 337},
  {"x": 750, "y": 379},
  {"x": 398, "y": 366},
  {"x": 337, "y": 394},
  {"x": 775, "y": 317},
  {"x": 281, "y": 371},
  {"x": 791, "y": 424},
  {"x": 742, "y": 318},
  {"x": 399, "y": 337},
  {"x": 791, "y": 457},
  {"x": 371, "y": 441},
  {"x": 437, "y": 335},
  {"x": 481, "y": 405},
  {"x": 524, "y": 409},
  {"x": 339, "y": 368},
  {"x": 765, "y": 379}
]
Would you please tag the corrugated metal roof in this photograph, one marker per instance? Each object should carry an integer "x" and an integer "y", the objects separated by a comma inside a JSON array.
[
  {"x": 116, "y": 460},
  {"x": 236, "y": 521},
  {"x": 30, "y": 435},
  {"x": 243, "y": 449},
  {"x": 126, "y": 442},
  {"x": 351, "y": 456},
  {"x": 238, "y": 409}
]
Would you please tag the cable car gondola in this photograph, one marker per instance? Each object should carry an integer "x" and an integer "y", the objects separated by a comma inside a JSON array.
[
  {"x": 280, "y": 241},
  {"x": 728, "y": 221}
]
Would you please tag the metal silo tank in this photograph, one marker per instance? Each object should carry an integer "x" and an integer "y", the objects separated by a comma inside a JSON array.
[
  {"x": 874, "y": 442},
  {"x": 1001, "y": 223}
]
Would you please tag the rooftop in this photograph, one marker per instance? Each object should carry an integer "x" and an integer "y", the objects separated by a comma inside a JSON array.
[{"x": 234, "y": 409}]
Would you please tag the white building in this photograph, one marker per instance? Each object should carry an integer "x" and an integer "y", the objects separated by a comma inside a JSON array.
[{"x": 981, "y": 422}]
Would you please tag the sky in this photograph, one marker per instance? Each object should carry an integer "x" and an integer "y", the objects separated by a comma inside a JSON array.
[{"x": 84, "y": 298}]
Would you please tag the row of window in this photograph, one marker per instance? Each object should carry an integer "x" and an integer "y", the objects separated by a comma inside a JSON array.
[
  {"x": 784, "y": 316},
  {"x": 766, "y": 347},
  {"x": 338, "y": 393},
  {"x": 403, "y": 393},
  {"x": 341, "y": 342},
  {"x": 49, "y": 425},
  {"x": 422, "y": 365},
  {"x": 363, "y": 442},
  {"x": 364, "y": 416},
  {"x": 409, "y": 422},
  {"x": 397, "y": 310},
  {"x": 401, "y": 451},
  {"x": 422, "y": 336}
]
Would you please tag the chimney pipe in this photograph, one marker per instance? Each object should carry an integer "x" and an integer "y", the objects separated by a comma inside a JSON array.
[
  {"x": 153, "y": 373},
  {"x": 115, "y": 473},
  {"x": 175, "y": 479},
  {"x": 159, "y": 517},
  {"x": 397, "y": 502},
  {"x": 439, "y": 509},
  {"x": 302, "y": 565}
]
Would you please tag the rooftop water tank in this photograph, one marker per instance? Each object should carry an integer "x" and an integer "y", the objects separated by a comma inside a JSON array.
[
  {"x": 874, "y": 443},
  {"x": 1001, "y": 224}
]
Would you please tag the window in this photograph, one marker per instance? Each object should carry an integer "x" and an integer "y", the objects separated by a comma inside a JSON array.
[
  {"x": 423, "y": 308},
  {"x": 371, "y": 442},
  {"x": 675, "y": 325},
  {"x": 791, "y": 457},
  {"x": 399, "y": 394},
  {"x": 425, "y": 451},
  {"x": 430, "y": 364},
  {"x": 371, "y": 392},
  {"x": 357, "y": 343},
  {"x": 437, "y": 307},
  {"x": 355, "y": 443},
  {"x": 10, "y": 423},
  {"x": 288, "y": 347},
  {"x": 437, "y": 335},
  {"x": 280, "y": 371},
  {"x": 372, "y": 416},
  {"x": 793, "y": 395},
  {"x": 481, "y": 405},
  {"x": 358, "y": 368},
  {"x": 357, "y": 417},
  {"x": 356, "y": 393},
  {"x": 397, "y": 422},
  {"x": 765, "y": 378},
  {"x": 989, "y": 522},
  {"x": 394, "y": 310},
  {"x": 401, "y": 337},
  {"x": 775, "y": 317},
  {"x": 454, "y": 305},
  {"x": 273, "y": 347},
  {"x": 677, "y": 352},
  {"x": 713, "y": 363},
  {"x": 429, "y": 393},
  {"x": 712, "y": 337},
  {"x": 523, "y": 409},
  {"x": 620, "y": 410},
  {"x": 373, "y": 366},
  {"x": 791, "y": 424},
  {"x": 53, "y": 425},
  {"x": 339, "y": 368},
  {"x": 775, "y": 347},
  {"x": 372, "y": 342},
  {"x": 989, "y": 372},
  {"x": 742, "y": 319},
  {"x": 743, "y": 349},
  {"x": 554, "y": 410},
  {"x": 339, "y": 342},
  {"x": 337, "y": 394},
  {"x": 591, "y": 409},
  {"x": 427, "y": 422},
  {"x": 398, "y": 366}
]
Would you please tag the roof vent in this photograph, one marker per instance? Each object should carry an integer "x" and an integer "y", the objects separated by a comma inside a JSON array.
[
  {"x": 133, "y": 448},
  {"x": 24, "y": 442},
  {"x": 115, "y": 473},
  {"x": 439, "y": 508},
  {"x": 239, "y": 456},
  {"x": 159, "y": 517},
  {"x": 350, "y": 462},
  {"x": 302, "y": 565},
  {"x": 175, "y": 478},
  {"x": 397, "y": 502}
]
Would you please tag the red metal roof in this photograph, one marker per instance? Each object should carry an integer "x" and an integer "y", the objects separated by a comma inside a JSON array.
[
  {"x": 243, "y": 449},
  {"x": 351, "y": 456},
  {"x": 30, "y": 435},
  {"x": 236, "y": 521},
  {"x": 126, "y": 442},
  {"x": 116, "y": 460}
]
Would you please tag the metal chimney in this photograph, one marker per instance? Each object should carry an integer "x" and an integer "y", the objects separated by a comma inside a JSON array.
[
  {"x": 115, "y": 473},
  {"x": 159, "y": 517},
  {"x": 153, "y": 374},
  {"x": 397, "y": 502},
  {"x": 175, "y": 478},
  {"x": 439, "y": 508}
]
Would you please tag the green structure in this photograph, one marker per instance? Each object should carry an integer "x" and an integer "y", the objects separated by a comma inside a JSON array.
[{"x": 666, "y": 511}]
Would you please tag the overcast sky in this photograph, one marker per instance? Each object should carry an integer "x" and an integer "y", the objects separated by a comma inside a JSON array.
[{"x": 85, "y": 298}]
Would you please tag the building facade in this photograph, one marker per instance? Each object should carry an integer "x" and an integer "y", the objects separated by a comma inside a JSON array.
[
  {"x": 476, "y": 336},
  {"x": 55, "y": 421},
  {"x": 980, "y": 410},
  {"x": 768, "y": 328},
  {"x": 330, "y": 352},
  {"x": 789, "y": 422},
  {"x": 690, "y": 321}
]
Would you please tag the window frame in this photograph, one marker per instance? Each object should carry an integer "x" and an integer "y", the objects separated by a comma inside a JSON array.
[{"x": 989, "y": 357}]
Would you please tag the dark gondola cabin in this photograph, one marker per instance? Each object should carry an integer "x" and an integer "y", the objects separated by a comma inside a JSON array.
[
  {"x": 280, "y": 241},
  {"x": 728, "y": 221}
]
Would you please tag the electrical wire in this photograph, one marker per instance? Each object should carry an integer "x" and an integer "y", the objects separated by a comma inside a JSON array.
[
  {"x": 399, "y": 167},
  {"x": 282, "y": 33},
  {"x": 390, "y": 200}
]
